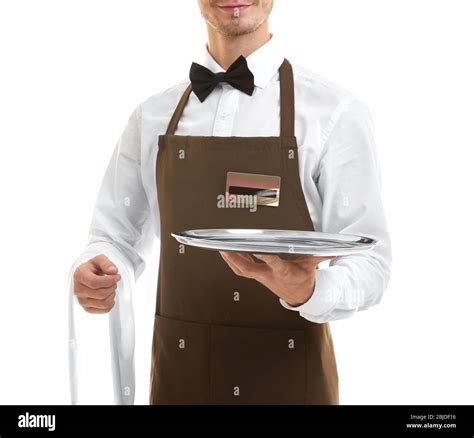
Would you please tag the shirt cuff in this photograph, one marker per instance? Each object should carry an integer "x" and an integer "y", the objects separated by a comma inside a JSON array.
[{"x": 325, "y": 297}]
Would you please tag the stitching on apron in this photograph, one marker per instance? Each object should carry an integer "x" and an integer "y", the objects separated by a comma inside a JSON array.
[
  {"x": 210, "y": 362},
  {"x": 306, "y": 367},
  {"x": 186, "y": 321},
  {"x": 297, "y": 189}
]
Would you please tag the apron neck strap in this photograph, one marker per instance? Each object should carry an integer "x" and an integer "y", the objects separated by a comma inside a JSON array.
[
  {"x": 287, "y": 100},
  {"x": 178, "y": 111},
  {"x": 287, "y": 103}
]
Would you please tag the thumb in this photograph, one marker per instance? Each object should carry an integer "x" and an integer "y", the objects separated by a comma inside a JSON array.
[
  {"x": 103, "y": 264},
  {"x": 271, "y": 260},
  {"x": 323, "y": 258},
  {"x": 313, "y": 260}
]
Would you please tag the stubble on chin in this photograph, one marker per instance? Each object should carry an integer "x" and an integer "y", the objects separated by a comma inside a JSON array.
[{"x": 236, "y": 27}]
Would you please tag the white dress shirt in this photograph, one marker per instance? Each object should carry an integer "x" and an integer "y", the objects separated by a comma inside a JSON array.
[{"x": 339, "y": 174}]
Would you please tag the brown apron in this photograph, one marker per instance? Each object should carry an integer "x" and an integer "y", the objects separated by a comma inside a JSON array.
[{"x": 220, "y": 338}]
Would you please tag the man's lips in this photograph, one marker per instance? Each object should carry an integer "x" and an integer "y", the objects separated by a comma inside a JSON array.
[{"x": 231, "y": 7}]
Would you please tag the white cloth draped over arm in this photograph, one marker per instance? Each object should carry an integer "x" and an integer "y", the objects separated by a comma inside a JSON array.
[
  {"x": 122, "y": 230},
  {"x": 349, "y": 183}
]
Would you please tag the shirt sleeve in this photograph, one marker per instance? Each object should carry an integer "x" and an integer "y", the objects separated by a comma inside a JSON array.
[
  {"x": 121, "y": 217},
  {"x": 349, "y": 182},
  {"x": 121, "y": 229}
]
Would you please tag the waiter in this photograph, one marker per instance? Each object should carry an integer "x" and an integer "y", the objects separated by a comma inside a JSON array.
[{"x": 230, "y": 328}]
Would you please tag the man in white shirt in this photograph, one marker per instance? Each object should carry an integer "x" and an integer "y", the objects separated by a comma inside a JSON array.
[{"x": 335, "y": 188}]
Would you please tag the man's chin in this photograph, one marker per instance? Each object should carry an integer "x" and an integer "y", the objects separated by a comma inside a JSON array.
[{"x": 236, "y": 30}]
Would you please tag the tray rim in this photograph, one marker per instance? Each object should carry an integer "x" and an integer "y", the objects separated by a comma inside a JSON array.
[
  {"x": 351, "y": 237},
  {"x": 219, "y": 245}
]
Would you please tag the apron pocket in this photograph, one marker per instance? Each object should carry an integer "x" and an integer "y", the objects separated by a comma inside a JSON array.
[
  {"x": 257, "y": 365},
  {"x": 180, "y": 362}
]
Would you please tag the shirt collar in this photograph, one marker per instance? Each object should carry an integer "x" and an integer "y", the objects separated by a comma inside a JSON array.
[{"x": 263, "y": 63}]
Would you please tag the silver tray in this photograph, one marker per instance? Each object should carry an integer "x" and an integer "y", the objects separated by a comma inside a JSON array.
[{"x": 278, "y": 242}]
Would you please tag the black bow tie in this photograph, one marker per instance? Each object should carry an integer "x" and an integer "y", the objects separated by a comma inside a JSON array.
[{"x": 238, "y": 75}]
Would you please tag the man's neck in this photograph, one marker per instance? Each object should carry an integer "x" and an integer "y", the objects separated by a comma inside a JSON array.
[{"x": 225, "y": 50}]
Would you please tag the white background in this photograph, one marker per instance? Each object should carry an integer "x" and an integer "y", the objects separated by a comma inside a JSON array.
[{"x": 73, "y": 71}]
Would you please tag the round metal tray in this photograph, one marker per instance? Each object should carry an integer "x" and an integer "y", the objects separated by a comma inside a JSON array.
[{"x": 278, "y": 242}]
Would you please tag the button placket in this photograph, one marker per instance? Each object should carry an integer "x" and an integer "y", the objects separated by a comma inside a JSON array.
[{"x": 226, "y": 110}]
